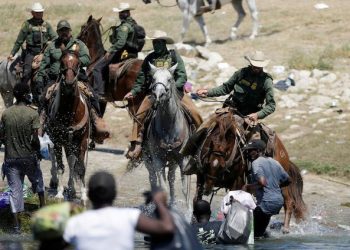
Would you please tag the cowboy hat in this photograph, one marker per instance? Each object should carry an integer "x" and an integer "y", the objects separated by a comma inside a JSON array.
[
  {"x": 257, "y": 59},
  {"x": 123, "y": 7},
  {"x": 36, "y": 7},
  {"x": 161, "y": 35}
]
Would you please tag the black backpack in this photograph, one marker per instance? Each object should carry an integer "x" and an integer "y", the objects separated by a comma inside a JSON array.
[{"x": 140, "y": 35}]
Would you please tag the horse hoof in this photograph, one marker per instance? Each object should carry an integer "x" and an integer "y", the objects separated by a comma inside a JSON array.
[
  {"x": 252, "y": 37},
  {"x": 59, "y": 196},
  {"x": 285, "y": 230}
]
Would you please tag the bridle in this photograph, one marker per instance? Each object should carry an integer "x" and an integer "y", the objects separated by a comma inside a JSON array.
[{"x": 69, "y": 67}]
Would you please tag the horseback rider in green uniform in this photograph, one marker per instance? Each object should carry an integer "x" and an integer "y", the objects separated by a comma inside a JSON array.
[
  {"x": 123, "y": 47},
  {"x": 36, "y": 33},
  {"x": 50, "y": 69},
  {"x": 251, "y": 87},
  {"x": 160, "y": 57}
]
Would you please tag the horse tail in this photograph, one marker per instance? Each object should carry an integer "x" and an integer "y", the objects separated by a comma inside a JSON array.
[{"x": 295, "y": 190}]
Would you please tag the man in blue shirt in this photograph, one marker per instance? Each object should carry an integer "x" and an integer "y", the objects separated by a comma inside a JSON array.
[{"x": 268, "y": 178}]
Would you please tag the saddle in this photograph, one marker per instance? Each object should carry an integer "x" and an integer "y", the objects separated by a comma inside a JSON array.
[
  {"x": 116, "y": 71},
  {"x": 53, "y": 88}
]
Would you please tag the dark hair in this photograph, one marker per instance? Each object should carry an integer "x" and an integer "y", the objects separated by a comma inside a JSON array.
[
  {"x": 102, "y": 189},
  {"x": 20, "y": 91},
  {"x": 201, "y": 207}
]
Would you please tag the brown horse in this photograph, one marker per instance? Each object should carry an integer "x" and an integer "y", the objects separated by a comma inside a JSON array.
[
  {"x": 68, "y": 126},
  {"x": 224, "y": 165},
  {"x": 91, "y": 35}
]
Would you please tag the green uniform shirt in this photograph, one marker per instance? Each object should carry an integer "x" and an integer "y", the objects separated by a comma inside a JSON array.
[
  {"x": 35, "y": 33},
  {"x": 18, "y": 123},
  {"x": 52, "y": 58},
  {"x": 249, "y": 92},
  {"x": 123, "y": 36},
  {"x": 167, "y": 60}
]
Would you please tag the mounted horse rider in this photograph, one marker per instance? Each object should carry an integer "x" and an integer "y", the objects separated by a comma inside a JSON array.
[
  {"x": 252, "y": 99},
  {"x": 160, "y": 57},
  {"x": 37, "y": 33},
  {"x": 124, "y": 46},
  {"x": 49, "y": 73}
]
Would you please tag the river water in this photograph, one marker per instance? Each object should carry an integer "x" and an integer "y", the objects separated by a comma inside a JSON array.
[{"x": 327, "y": 226}]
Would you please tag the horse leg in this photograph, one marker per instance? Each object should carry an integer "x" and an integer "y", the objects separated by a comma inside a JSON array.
[
  {"x": 152, "y": 176},
  {"x": 54, "y": 178},
  {"x": 80, "y": 169},
  {"x": 288, "y": 207},
  {"x": 72, "y": 160},
  {"x": 171, "y": 180},
  {"x": 186, "y": 18},
  {"x": 203, "y": 27},
  {"x": 254, "y": 13},
  {"x": 58, "y": 170},
  {"x": 237, "y": 5}
]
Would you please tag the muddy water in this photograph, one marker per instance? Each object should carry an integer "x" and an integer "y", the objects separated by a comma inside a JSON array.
[{"x": 327, "y": 226}]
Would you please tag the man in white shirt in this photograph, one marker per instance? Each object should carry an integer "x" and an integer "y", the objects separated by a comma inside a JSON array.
[{"x": 107, "y": 227}]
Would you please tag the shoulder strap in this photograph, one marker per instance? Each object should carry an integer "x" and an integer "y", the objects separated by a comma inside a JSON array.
[{"x": 173, "y": 56}]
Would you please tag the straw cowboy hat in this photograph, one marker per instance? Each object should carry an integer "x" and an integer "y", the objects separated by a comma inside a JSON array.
[
  {"x": 36, "y": 7},
  {"x": 158, "y": 34},
  {"x": 257, "y": 59},
  {"x": 123, "y": 7}
]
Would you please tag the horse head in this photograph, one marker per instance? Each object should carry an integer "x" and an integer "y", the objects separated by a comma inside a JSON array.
[
  {"x": 90, "y": 34},
  {"x": 89, "y": 30},
  {"x": 222, "y": 149},
  {"x": 70, "y": 65},
  {"x": 163, "y": 83}
]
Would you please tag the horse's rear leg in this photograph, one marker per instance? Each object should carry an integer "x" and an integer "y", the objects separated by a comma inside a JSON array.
[
  {"x": 203, "y": 27},
  {"x": 186, "y": 18},
  {"x": 288, "y": 208},
  {"x": 254, "y": 13},
  {"x": 237, "y": 5}
]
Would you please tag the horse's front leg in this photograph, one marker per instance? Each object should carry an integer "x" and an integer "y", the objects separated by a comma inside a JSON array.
[
  {"x": 72, "y": 161},
  {"x": 80, "y": 170},
  {"x": 237, "y": 5},
  {"x": 254, "y": 13},
  {"x": 152, "y": 176},
  {"x": 200, "y": 20},
  {"x": 57, "y": 171},
  {"x": 171, "y": 180},
  {"x": 288, "y": 207}
]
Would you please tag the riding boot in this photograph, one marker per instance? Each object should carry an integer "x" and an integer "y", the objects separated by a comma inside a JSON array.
[{"x": 100, "y": 131}]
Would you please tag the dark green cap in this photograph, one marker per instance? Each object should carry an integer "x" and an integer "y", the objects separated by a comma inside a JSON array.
[{"x": 63, "y": 24}]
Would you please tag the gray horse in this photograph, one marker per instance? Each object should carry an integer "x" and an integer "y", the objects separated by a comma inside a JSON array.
[
  {"x": 167, "y": 132},
  {"x": 7, "y": 80},
  {"x": 189, "y": 9}
]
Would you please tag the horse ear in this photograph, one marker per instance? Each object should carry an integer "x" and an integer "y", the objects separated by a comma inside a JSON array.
[
  {"x": 172, "y": 69},
  {"x": 90, "y": 18},
  {"x": 153, "y": 68},
  {"x": 99, "y": 20}
]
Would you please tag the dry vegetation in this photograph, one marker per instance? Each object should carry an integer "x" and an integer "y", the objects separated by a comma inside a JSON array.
[{"x": 292, "y": 33}]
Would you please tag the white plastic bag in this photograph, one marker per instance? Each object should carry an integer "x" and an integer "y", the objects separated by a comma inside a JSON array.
[
  {"x": 45, "y": 142},
  {"x": 237, "y": 226}
]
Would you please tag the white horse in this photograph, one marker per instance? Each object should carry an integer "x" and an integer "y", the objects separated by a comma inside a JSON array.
[
  {"x": 191, "y": 9},
  {"x": 7, "y": 81}
]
